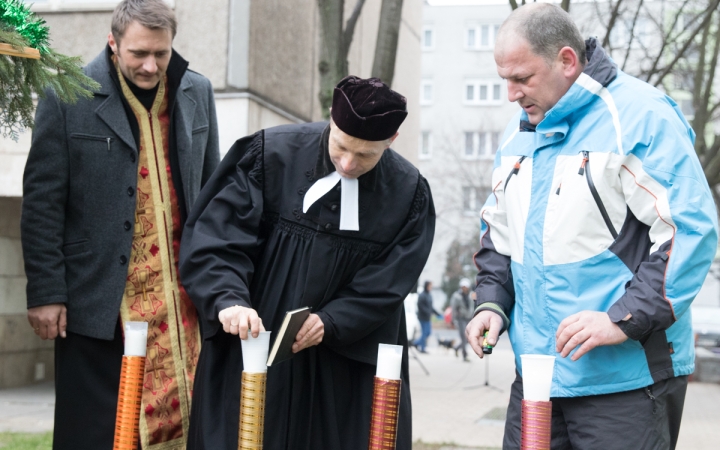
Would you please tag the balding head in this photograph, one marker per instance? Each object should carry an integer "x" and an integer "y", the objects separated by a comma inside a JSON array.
[{"x": 546, "y": 28}]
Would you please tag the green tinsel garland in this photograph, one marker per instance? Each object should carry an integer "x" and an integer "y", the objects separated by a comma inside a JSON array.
[
  {"x": 20, "y": 77},
  {"x": 16, "y": 14}
]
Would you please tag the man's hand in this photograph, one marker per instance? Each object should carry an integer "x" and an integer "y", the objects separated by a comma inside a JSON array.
[
  {"x": 238, "y": 319},
  {"x": 484, "y": 321},
  {"x": 587, "y": 329},
  {"x": 49, "y": 320},
  {"x": 311, "y": 333}
]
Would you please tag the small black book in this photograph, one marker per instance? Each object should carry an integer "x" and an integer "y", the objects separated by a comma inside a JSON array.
[{"x": 285, "y": 337}]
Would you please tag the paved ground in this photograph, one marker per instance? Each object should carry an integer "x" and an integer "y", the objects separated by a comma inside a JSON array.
[{"x": 458, "y": 404}]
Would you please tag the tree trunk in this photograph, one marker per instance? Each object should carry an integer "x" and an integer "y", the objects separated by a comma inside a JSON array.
[
  {"x": 334, "y": 47},
  {"x": 387, "y": 40}
]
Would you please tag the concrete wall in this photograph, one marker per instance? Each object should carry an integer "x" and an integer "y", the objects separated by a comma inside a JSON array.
[
  {"x": 282, "y": 67},
  {"x": 24, "y": 357},
  {"x": 84, "y": 33}
]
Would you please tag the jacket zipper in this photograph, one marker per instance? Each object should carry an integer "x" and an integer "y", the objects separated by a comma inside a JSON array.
[
  {"x": 652, "y": 398},
  {"x": 90, "y": 137},
  {"x": 585, "y": 168},
  {"x": 514, "y": 171}
]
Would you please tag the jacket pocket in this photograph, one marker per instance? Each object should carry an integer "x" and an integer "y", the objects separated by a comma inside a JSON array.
[
  {"x": 91, "y": 137},
  {"x": 75, "y": 248},
  {"x": 585, "y": 170}
]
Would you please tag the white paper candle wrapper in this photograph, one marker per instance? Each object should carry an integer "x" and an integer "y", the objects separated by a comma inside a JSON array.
[
  {"x": 255, "y": 352},
  {"x": 136, "y": 338},
  {"x": 537, "y": 374},
  {"x": 389, "y": 361}
]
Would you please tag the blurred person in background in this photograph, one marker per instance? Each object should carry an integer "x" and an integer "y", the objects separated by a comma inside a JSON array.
[
  {"x": 425, "y": 311},
  {"x": 463, "y": 309}
]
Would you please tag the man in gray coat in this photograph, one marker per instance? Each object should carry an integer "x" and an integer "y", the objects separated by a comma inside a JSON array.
[
  {"x": 463, "y": 308},
  {"x": 107, "y": 187}
]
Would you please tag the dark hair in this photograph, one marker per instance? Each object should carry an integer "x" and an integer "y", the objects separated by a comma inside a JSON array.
[
  {"x": 427, "y": 285},
  {"x": 153, "y": 14},
  {"x": 547, "y": 28}
]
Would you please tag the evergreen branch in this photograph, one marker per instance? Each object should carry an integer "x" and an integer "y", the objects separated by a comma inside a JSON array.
[{"x": 20, "y": 77}]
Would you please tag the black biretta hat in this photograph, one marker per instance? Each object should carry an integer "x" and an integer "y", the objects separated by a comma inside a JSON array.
[{"x": 367, "y": 108}]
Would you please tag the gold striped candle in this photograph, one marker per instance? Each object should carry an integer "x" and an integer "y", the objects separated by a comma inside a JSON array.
[{"x": 252, "y": 411}]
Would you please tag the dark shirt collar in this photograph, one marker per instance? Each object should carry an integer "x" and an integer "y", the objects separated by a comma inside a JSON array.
[
  {"x": 324, "y": 165},
  {"x": 175, "y": 71}
]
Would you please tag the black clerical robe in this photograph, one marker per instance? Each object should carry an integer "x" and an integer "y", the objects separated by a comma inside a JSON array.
[{"x": 247, "y": 242}]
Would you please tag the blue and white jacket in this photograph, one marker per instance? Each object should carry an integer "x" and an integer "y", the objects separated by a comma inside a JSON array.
[{"x": 604, "y": 207}]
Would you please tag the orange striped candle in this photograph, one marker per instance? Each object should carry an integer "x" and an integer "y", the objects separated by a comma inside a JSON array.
[
  {"x": 386, "y": 398},
  {"x": 132, "y": 371},
  {"x": 384, "y": 416}
]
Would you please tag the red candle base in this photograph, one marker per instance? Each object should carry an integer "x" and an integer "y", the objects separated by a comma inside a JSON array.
[
  {"x": 536, "y": 425},
  {"x": 384, "y": 417}
]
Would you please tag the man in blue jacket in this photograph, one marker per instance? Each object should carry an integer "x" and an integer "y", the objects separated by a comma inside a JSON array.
[{"x": 598, "y": 235}]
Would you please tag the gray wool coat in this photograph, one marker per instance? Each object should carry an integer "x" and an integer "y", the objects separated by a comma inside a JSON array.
[{"x": 79, "y": 194}]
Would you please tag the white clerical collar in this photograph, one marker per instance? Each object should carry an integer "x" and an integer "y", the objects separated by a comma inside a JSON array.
[{"x": 349, "y": 218}]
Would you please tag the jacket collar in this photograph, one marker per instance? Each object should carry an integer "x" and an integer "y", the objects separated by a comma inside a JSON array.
[
  {"x": 102, "y": 70},
  {"x": 598, "y": 73},
  {"x": 324, "y": 165}
]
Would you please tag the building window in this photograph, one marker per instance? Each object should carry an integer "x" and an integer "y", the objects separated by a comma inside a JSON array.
[
  {"x": 428, "y": 39},
  {"x": 426, "y": 92},
  {"x": 470, "y": 145},
  {"x": 425, "y": 145},
  {"x": 471, "y": 43},
  {"x": 473, "y": 198},
  {"x": 480, "y": 144},
  {"x": 470, "y": 92},
  {"x": 481, "y": 37},
  {"x": 482, "y": 92}
]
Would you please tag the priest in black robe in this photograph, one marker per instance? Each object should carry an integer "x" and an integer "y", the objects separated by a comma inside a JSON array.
[{"x": 273, "y": 231}]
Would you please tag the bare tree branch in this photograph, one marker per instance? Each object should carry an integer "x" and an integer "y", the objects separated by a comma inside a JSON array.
[
  {"x": 665, "y": 41},
  {"x": 632, "y": 34},
  {"x": 387, "y": 40},
  {"x": 514, "y": 5},
  {"x": 680, "y": 53},
  {"x": 334, "y": 46},
  {"x": 614, "y": 14},
  {"x": 350, "y": 25}
]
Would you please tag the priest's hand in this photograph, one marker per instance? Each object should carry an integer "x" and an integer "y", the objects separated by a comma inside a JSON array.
[
  {"x": 48, "y": 321},
  {"x": 311, "y": 333},
  {"x": 484, "y": 321},
  {"x": 587, "y": 330},
  {"x": 238, "y": 319}
]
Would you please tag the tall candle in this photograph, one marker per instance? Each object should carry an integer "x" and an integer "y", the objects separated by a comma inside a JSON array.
[
  {"x": 389, "y": 361},
  {"x": 136, "y": 338}
]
